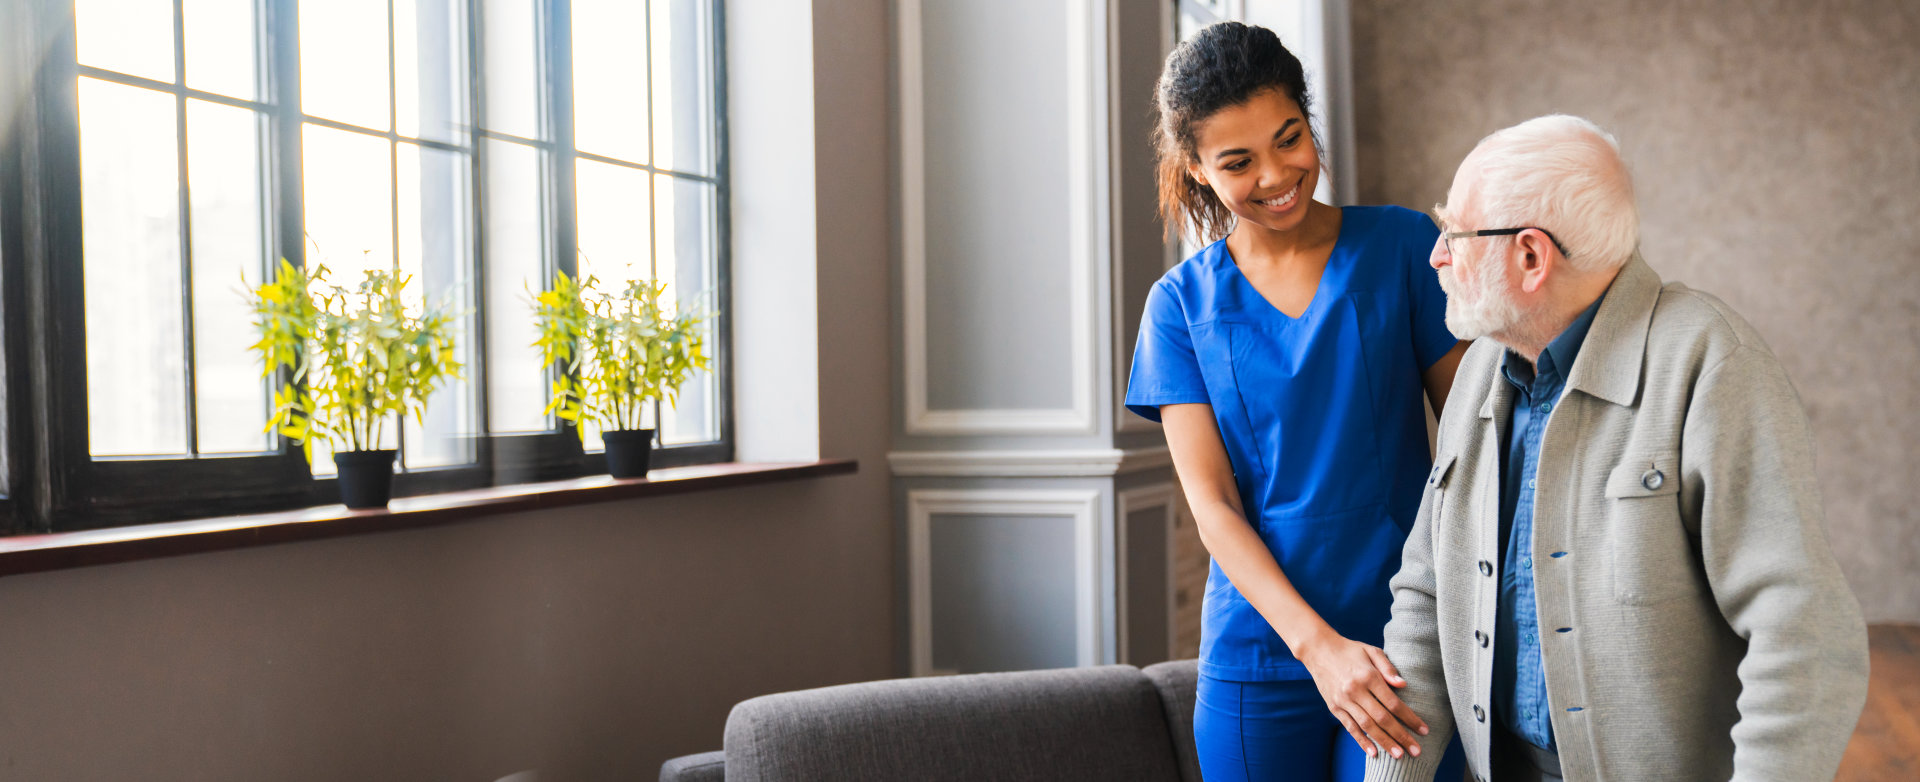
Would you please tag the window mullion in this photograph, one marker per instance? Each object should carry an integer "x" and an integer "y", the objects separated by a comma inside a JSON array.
[
  {"x": 186, "y": 227},
  {"x": 482, "y": 377}
]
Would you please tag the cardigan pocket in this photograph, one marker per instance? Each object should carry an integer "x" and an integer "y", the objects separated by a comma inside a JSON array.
[{"x": 1653, "y": 558}]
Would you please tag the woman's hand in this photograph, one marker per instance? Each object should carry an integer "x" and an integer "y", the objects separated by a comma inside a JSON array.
[{"x": 1357, "y": 681}]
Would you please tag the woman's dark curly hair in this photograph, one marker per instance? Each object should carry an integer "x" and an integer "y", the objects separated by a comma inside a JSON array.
[{"x": 1224, "y": 65}]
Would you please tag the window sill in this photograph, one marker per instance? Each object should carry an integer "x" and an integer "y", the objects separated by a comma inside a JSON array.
[{"x": 62, "y": 550}]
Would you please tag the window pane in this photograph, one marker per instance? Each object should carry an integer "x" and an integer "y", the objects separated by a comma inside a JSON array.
[
  {"x": 429, "y": 37},
  {"x": 513, "y": 68},
  {"x": 226, "y": 215},
  {"x": 220, "y": 46},
  {"x": 682, "y": 86},
  {"x": 343, "y": 61},
  {"x": 349, "y": 222},
  {"x": 434, "y": 252},
  {"x": 609, "y": 116},
  {"x": 684, "y": 257},
  {"x": 130, "y": 233},
  {"x": 349, "y": 200},
  {"x": 614, "y": 243},
  {"x": 516, "y": 264},
  {"x": 129, "y": 36}
]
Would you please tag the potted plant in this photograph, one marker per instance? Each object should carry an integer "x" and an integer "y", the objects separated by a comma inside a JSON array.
[
  {"x": 358, "y": 359},
  {"x": 617, "y": 354}
]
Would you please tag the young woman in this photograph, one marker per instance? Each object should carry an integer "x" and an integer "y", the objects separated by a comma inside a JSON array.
[{"x": 1287, "y": 362}]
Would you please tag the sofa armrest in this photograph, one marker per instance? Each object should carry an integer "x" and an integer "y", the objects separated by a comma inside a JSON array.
[
  {"x": 1176, "y": 682},
  {"x": 704, "y": 767}
]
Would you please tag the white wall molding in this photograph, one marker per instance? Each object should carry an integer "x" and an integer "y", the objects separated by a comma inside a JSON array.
[
  {"x": 1086, "y": 462},
  {"x": 1159, "y": 495},
  {"x": 1080, "y": 505},
  {"x": 1086, "y": 147}
]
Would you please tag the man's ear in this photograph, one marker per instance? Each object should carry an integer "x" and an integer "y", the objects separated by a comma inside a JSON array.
[{"x": 1538, "y": 259}]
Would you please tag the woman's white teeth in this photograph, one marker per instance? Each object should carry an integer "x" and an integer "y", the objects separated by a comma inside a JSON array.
[{"x": 1282, "y": 200}]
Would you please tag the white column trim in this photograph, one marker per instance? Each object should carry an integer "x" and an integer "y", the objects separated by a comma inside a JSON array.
[
  {"x": 1084, "y": 149},
  {"x": 1081, "y": 505}
]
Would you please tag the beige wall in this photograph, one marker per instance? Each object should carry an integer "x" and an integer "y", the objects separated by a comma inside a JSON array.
[
  {"x": 1778, "y": 166},
  {"x": 591, "y": 643}
]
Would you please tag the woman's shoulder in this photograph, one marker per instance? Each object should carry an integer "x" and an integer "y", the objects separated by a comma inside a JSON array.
[
  {"x": 1198, "y": 269},
  {"x": 1387, "y": 239},
  {"x": 1389, "y": 220}
]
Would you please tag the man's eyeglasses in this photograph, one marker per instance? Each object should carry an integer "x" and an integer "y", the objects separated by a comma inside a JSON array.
[{"x": 1449, "y": 236}]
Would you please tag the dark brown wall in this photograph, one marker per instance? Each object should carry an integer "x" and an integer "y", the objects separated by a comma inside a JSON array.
[{"x": 1776, "y": 150}]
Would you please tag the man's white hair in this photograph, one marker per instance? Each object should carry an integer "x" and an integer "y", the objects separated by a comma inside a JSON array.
[{"x": 1564, "y": 174}]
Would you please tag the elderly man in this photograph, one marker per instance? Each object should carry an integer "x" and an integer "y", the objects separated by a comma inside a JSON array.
[{"x": 1619, "y": 570}]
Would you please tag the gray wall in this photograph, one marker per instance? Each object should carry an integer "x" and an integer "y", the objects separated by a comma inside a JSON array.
[
  {"x": 1778, "y": 167},
  {"x": 591, "y": 643}
]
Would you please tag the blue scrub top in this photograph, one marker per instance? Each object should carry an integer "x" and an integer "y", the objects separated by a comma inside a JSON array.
[{"x": 1321, "y": 416}]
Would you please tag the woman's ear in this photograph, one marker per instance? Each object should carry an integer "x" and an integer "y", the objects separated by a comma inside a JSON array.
[{"x": 1198, "y": 174}]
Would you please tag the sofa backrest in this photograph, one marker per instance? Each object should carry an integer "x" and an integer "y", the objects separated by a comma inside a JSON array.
[{"x": 1103, "y": 724}]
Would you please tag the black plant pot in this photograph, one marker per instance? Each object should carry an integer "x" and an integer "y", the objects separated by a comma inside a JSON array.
[
  {"x": 628, "y": 452},
  {"x": 366, "y": 478}
]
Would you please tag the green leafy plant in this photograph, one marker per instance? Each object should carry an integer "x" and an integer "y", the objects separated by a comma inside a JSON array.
[
  {"x": 616, "y": 353},
  {"x": 358, "y": 358}
]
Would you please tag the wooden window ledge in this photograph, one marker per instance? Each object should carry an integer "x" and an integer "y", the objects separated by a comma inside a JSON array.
[{"x": 82, "y": 548}]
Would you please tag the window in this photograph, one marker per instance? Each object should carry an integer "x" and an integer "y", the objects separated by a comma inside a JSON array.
[{"x": 171, "y": 150}]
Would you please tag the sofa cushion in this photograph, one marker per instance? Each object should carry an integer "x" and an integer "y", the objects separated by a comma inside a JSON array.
[
  {"x": 1062, "y": 725},
  {"x": 1176, "y": 681}
]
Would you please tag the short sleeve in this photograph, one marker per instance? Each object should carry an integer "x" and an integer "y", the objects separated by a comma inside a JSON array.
[
  {"x": 1428, "y": 304},
  {"x": 1165, "y": 370}
]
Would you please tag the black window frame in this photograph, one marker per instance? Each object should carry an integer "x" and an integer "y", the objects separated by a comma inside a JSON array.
[{"x": 49, "y": 480}]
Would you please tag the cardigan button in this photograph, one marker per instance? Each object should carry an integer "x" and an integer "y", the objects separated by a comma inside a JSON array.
[
  {"x": 1486, "y": 568},
  {"x": 1478, "y": 714},
  {"x": 1481, "y": 638},
  {"x": 1653, "y": 480}
]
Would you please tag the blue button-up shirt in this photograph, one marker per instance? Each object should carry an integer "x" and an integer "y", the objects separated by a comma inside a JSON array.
[{"x": 1519, "y": 676}]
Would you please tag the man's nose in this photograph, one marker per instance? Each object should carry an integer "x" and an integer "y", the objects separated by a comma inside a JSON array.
[{"x": 1439, "y": 256}]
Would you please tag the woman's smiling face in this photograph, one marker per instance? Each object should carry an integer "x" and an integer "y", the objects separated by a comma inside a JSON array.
[{"x": 1259, "y": 159}]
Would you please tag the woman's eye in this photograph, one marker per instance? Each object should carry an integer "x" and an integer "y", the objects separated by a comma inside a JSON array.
[
  {"x": 1290, "y": 141},
  {"x": 1237, "y": 165}
]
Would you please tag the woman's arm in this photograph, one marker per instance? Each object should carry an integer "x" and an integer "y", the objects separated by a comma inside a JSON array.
[
  {"x": 1439, "y": 377},
  {"x": 1355, "y": 679}
]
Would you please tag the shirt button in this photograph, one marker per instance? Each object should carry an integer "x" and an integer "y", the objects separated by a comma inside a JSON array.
[
  {"x": 1486, "y": 568},
  {"x": 1526, "y": 562},
  {"x": 1546, "y": 408},
  {"x": 1530, "y": 483},
  {"x": 1531, "y": 640}
]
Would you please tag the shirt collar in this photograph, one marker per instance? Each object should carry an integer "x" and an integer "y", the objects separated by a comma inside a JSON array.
[{"x": 1559, "y": 356}]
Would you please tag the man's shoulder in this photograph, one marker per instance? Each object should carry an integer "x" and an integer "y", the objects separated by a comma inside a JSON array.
[{"x": 1696, "y": 327}]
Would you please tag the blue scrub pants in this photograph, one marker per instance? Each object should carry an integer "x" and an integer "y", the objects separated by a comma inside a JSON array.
[{"x": 1260, "y": 731}]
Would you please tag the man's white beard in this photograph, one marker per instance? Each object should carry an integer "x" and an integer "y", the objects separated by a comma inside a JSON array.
[{"x": 1494, "y": 312}]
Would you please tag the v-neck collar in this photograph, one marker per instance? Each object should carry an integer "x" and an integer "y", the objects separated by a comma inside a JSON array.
[{"x": 1319, "y": 287}]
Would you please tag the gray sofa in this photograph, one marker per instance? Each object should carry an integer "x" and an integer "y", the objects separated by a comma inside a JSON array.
[{"x": 1114, "y": 722}]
